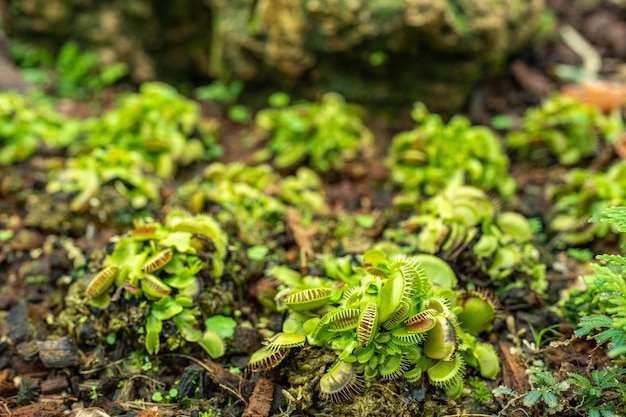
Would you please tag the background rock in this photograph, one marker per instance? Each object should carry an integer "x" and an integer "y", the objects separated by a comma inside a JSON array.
[{"x": 377, "y": 52}]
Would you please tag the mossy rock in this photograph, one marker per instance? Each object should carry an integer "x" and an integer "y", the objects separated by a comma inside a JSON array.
[
  {"x": 392, "y": 51},
  {"x": 377, "y": 52}
]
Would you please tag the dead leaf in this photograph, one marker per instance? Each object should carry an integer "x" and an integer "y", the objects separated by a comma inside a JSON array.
[{"x": 303, "y": 236}]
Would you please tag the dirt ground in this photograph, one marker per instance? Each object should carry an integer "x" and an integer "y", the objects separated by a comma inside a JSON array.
[{"x": 49, "y": 241}]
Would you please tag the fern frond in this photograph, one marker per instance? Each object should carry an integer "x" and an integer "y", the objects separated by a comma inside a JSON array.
[{"x": 588, "y": 324}]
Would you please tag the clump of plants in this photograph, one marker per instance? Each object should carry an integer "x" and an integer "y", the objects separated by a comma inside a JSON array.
[
  {"x": 462, "y": 223},
  {"x": 583, "y": 195},
  {"x": 565, "y": 129},
  {"x": 599, "y": 393},
  {"x": 115, "y": 167},
  {"x": 164, "y": 267},
  {"x": 73, "y": 73},
  {"x": 425, "y": 160},
  {"x": 390, "y": 318},
  {"x": 255, "y": 199},
  {"x": 157, "y": 123},
  {"x": 601, "y": 308},
  {"x": 325, "y": 134},
  {"x": 26, "y": 124}
]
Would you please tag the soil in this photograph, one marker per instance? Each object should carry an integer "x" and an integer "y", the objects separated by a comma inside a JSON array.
[{"x": 45, "y": 373}]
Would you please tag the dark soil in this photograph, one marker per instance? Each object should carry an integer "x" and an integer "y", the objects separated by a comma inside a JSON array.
[{"x": 50, "y": 379}]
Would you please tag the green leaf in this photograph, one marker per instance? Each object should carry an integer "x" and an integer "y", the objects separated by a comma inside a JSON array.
[
  {"x": 223, "y": 326},
  {"x": 213, "y": 344},
  {"x": 365, "y": 220},
  {"x": 258, "y": 252},
  {"x": 179, "y": 240},
  {"x": 165, "y": 308},
  {"x": 502, "y": 122},
  {"x": 187, "y": 326},
  {"x": 279, "y": 100},
  {"x": 531, "y": 398},
  {"x": 153, "y": 332}
]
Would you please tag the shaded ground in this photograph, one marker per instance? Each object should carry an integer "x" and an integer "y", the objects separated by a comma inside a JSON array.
[{"x": 28, "y": 387}]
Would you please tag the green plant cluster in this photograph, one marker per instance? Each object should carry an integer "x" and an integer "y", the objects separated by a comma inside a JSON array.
[
  {"x": 463, "y": 219},
  {"x": 73, "y": 73},
  {"x": 583, "y": 195},
  {"x": 255, "y": 199},
  {"x": 85, "y": 175},
  {"x": 426, "y": 159},
  {"x": 134, "y": 147},
  {"x": 327, "y": 133},
  {"x": 601, "y": 393},
  {"x": 163, "y": 266},
  {"x": 390, "y": 318},
  {"x": 568, "y": 129},
  {"x": 26, "y": 124},
  {"x": 601, "y": 308},
  {"x": 159, "y": 124}
]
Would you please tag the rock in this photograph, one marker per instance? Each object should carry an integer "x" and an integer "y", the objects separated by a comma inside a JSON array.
[
  {"x": 371, "y": 51},
  {"x": 59, "y": 353},
  {"x": 377, "y": 52}
]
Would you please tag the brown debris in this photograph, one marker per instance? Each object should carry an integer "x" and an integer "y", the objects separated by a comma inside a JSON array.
[
  {"x": 47, "y": 409},
  {"x": 303, "y": 236},
  {"x": 513, "y": 369},
  {"x": 605, "y": 95},
  {"x": 531, "y": 79},
  {"x": 620, "y": 146},
  {"x": 261, "y": 399},
  {"x": 54, "y": 386}
]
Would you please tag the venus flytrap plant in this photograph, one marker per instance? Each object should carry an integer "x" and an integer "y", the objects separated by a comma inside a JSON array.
[
  {"x": 462, "y": 220},
  {"x": 163, "y": 265},
  {"x": 255, "y": 199},
  {"x": 328, "y": 133},
  {"x": 388, "y": 318},
  {"x": 564, "y": 128},
  {"x": 583, "y": 195},
  {"x": 26, "y": 124},
  {"x": 426, "y": 159},
  {"x": 159, "y": 124},
  {"x": 115, "y": 167}
]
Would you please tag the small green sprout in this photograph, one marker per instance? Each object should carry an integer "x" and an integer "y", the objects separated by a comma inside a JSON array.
[
  {"x": 328, "y": 133},
  {"x": 426, "y": 159},
  {"x": 389, "y": 318},
  {"x": 163, "y": 265}
]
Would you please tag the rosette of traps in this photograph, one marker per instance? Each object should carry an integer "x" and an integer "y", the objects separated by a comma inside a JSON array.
[
  {"x": 164, "y": 267},
  {"x": 390, "y": 318}
]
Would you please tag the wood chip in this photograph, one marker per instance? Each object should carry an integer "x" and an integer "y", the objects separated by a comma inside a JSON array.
[
  {"x": 513, "y": 369},
  {"x": 36, "y": 410},
  {"x": 261, "y": 399},
  {"x": 302, "y": 236}
]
